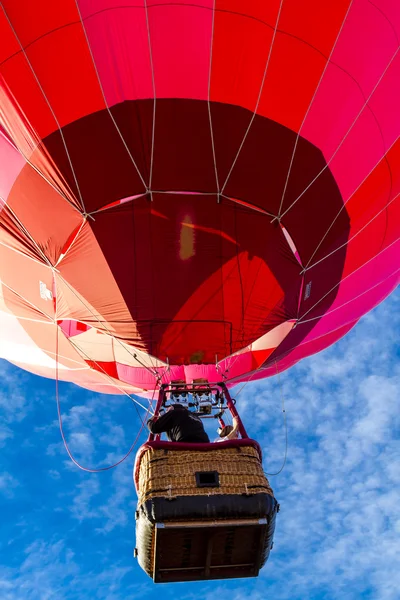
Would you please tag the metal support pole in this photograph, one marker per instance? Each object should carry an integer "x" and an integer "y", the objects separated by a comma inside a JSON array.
[
  {"x": 233, "y": 410},
  {"x": 160, "y": 402}
]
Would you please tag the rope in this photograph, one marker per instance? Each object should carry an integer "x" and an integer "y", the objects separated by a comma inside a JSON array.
[
  {"x": 284, "y": 424},
  {"x": 102, "y": 323},
  {"x": 208, "y": 100},
  {"x": 283, "y": 411},
  {"x": 258, "y": 98},
  {"x": 117, "y": 387},
  {"x": 328, "y": 62},
  {"x": 71, "y": 456}
]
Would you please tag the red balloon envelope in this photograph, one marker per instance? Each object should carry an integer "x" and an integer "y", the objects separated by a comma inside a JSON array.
[{"x": 194, "y": 190}]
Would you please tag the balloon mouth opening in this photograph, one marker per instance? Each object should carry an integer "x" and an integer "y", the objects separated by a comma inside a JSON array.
[{"x": 185, "y": 276}]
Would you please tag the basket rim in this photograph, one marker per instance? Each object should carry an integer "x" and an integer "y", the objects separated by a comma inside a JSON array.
[{"x": 181, "y": 446}]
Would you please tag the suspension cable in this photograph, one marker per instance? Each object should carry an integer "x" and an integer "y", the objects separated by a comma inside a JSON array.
[
  {"x": 284, "y": 424},
  {"x": 71, "y": 456},
  {"x": 283, "y": 412}
]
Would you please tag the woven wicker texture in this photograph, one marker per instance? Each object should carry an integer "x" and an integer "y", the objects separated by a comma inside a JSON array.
[
  {"x": 145, "y": 537},
  {"x": 172, "y": 473}
]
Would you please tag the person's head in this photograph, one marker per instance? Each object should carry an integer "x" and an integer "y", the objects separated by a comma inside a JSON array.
[{"x": 224, "y": 431}]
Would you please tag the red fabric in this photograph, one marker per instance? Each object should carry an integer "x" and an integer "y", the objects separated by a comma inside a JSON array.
[{"x": 154, "y": 152}]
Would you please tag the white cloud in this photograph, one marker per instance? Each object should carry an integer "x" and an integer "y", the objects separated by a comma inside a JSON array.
[
  {"x": 13, "y": 404},
  {"x": 114, "y": 437},
  {"x": 52, "y": 570},
  {"x": 5, "y": 434},
  {"x": 337, "y": 535},
  {"x": 119, "y": 508},
  {"x": 84, "y": 498},
  {"x": 338, "y": 531},
  {"x": 8, "y": 483}
]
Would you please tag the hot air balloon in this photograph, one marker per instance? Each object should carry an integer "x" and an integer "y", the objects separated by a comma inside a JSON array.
[{"x": 193, "y": 191}]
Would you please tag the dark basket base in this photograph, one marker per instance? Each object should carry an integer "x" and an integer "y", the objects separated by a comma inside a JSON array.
[
  {"x": 182, "y": 548},
  {"x": 215, "y": 506}
]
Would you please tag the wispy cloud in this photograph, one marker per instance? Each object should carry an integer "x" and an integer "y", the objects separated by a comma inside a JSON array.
[
  {"x": 337, "y": 534},
  {"x": 5, "y": 434},
  {"x": 52, "y": 570},
  {"x": 8, "y": 483}
]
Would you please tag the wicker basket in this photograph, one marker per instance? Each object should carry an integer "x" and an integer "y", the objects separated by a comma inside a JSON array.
[
  {"x": 171, "y": 473},
  {"x": 191, "y": 494}
]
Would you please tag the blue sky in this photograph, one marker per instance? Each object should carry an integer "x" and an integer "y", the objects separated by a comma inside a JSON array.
[{"x": 69, "y": 535}]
